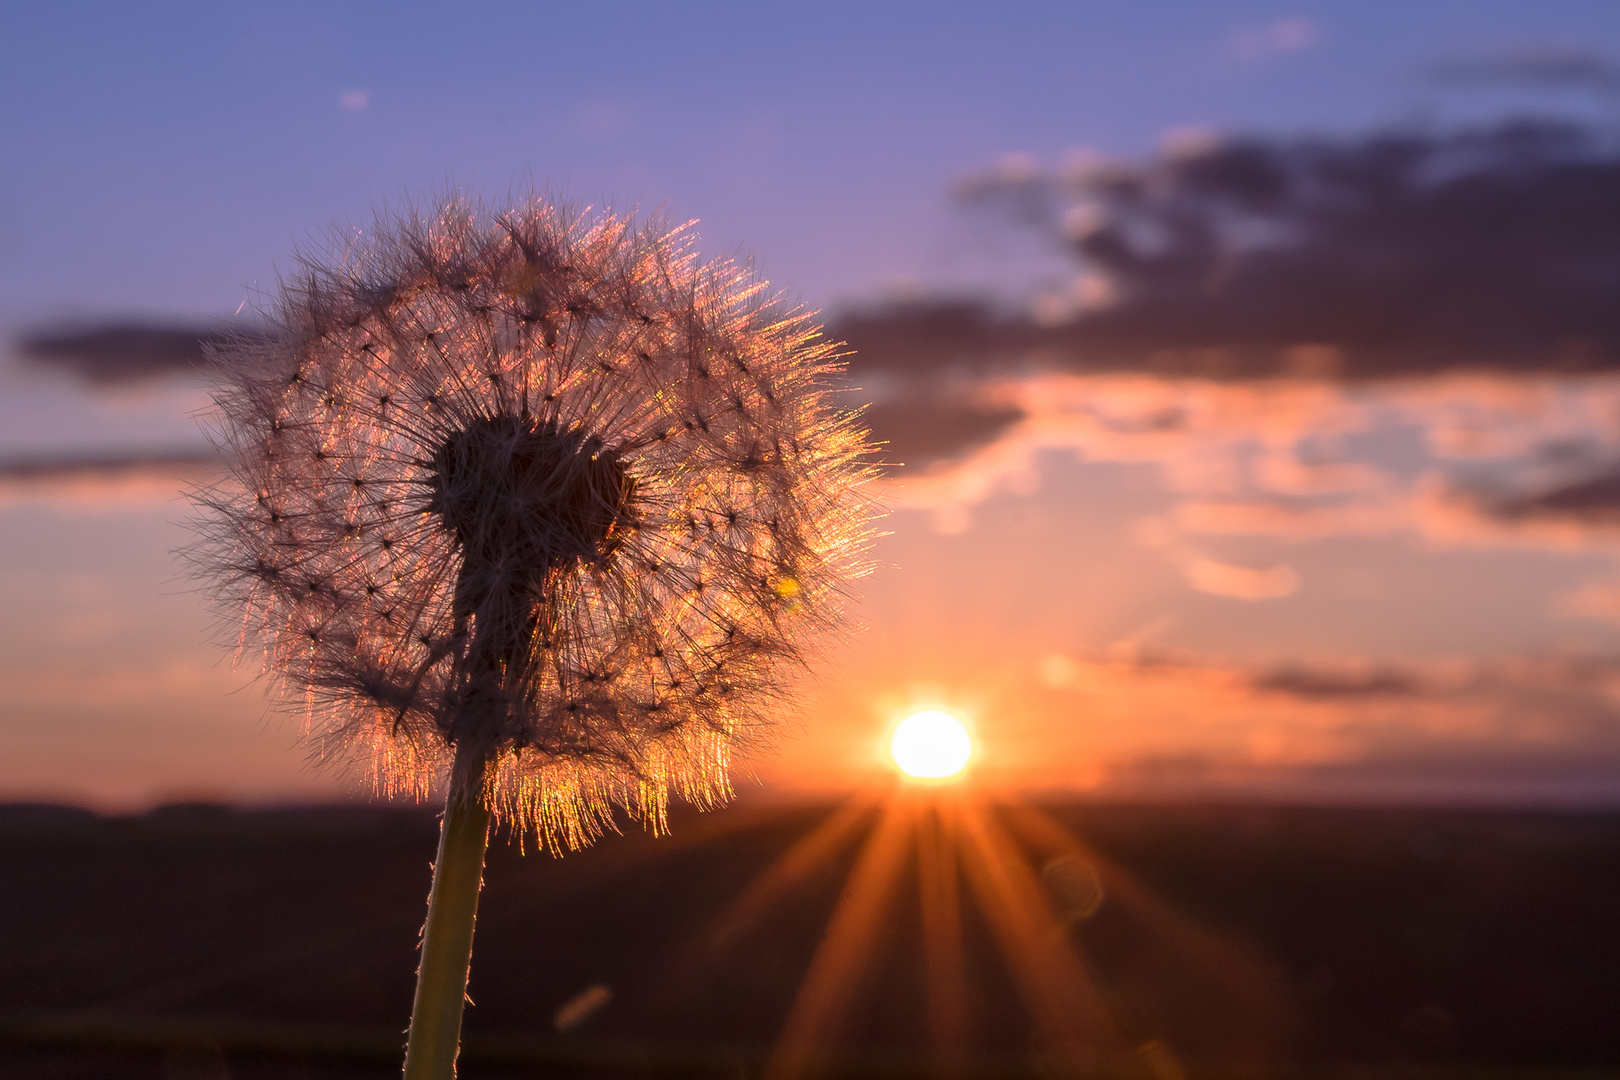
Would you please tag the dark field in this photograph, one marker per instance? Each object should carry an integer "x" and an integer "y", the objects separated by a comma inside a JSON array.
[{"x": 198, "y": 942}]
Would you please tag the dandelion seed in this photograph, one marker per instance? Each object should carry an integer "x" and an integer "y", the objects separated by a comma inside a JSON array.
[
  {"x": 505, "y": 488},
  {"x": 568, "y": 447}
]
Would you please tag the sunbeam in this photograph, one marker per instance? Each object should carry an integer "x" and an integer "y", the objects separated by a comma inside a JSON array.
[
  {"x": 809, "y": 853},
  {"x": 1226, "y": 989},
  {"x": 940, "y": 900},
  {"x": 1072, "y": 1022},
  {"x": 1110, "y": 975},
  {"x": 837, "y": 964}
]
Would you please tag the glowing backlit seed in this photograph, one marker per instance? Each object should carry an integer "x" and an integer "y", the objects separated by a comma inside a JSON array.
[{"x": 537, "y": 569}]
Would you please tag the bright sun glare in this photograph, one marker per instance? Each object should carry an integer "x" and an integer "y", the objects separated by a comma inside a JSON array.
[{"x": 931, "y": 745}]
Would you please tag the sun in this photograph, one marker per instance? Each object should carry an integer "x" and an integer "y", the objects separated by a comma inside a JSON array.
[{"x": 931, "y": 745}]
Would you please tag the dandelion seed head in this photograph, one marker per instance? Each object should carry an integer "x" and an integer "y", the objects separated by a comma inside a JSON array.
[{"x": 540, "y": 483}]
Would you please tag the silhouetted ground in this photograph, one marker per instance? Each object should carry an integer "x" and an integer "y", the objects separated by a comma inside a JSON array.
[{"x": 199, "y": 942}]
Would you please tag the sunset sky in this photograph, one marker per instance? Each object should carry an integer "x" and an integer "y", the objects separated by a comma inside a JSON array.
[{"x": 1257, "y": 394}]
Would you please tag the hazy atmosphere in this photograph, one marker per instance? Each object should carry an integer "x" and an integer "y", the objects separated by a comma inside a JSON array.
[
  {"x": 1210, "y": 666},
  {"x": 1253, "y": 369}
]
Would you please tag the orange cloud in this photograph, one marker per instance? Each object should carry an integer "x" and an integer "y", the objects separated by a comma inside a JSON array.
[{"x": 1240, "y": 582}]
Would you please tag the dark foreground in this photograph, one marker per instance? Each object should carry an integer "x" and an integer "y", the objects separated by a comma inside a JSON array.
[{"x": 197, "y": 942}]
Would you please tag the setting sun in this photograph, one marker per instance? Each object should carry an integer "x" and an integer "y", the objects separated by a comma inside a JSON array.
[{"x": 931, "y": 745}]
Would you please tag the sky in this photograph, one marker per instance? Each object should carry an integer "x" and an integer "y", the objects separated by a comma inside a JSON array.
[
  {"x": 170, "y": 157},
  {"x": 1288, "y": 561}
]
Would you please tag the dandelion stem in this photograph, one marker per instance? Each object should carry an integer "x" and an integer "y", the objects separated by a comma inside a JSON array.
[{"x": 441, "y": 980}]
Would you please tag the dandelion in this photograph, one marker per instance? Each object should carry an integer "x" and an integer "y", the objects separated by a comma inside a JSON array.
[{"x": 536, "y": 505}]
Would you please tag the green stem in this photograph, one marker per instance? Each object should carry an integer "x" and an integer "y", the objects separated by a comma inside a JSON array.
[{"x": 441, "y": 980}]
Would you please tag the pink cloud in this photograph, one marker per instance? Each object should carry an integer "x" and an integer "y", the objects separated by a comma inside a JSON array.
[
  {"x": 1240, "y": 582},
  {"x": 1279, "y": 36}
]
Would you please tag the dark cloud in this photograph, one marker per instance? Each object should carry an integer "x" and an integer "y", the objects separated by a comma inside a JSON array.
[
  {"x": 919, "y": 430},
  {"x": 1392, "y": 253},
  {"x": 1333, "y": 684},
  {"x": 1422, "y": 772},
  {"x": 105, "y": 466},
  {"x": 1353, "y": 681},
  {"x": 1542, "y": 67},
  {"x": 930, "y": 337},
  {"x": 924, "y": 357},
  {"x": 115, "y": 351},
  {"x": 1592, "y": 500}
]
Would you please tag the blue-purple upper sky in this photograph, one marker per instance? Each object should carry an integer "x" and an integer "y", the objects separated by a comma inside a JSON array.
[{"x": 167, "y": 158}]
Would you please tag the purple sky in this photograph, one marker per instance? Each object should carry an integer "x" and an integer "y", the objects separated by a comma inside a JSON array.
[{"x": 167, "y": 158}]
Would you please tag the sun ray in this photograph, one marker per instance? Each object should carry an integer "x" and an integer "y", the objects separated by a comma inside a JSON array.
[
  {"x": 1206, "y": 949},
  {"x": 1251, "y": 993},
  {"x": 940, "y": 895},
  {"x": 805, "y": 857},
  {"x": 834, "y": 969},
  {"x": 693, "y": 958},
  {"x": 538, "y": 885},
  {"x": 1033, "y": 882},
  {"x": 1072, "y": 1021}
]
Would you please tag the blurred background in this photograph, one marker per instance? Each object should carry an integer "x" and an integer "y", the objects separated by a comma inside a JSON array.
[{"x": 1250, "y": 375}]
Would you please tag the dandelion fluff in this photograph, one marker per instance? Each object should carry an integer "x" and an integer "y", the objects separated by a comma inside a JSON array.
[{"x": 540, "y": 494}]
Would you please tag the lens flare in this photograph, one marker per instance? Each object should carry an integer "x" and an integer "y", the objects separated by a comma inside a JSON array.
[{"x": 931, "y": 745}]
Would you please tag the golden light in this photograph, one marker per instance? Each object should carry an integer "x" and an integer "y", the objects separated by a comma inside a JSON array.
[
  {"x": 931, "y": 745},
  {"x": 1008, "y": 860}
]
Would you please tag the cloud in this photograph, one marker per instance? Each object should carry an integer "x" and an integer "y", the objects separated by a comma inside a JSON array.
[
  {"x": 1240, "y": 582},
  {"x": 104, "y": 481},
  {"x": 1555, "y": 67},
  {"x": 120, "y": 351},
  {"x": 1532, "y": 728},
  {"x": 1391, "y": 253},
  {"x": 355, "y": 100},
  {"x": 57, "y": 468},
  {"x": 1217, "y": 578},
  {"x": 930, "y": 338},
  {"x": 904, "y": 355},
  {"x": 1279, "y": 36},
  {"x": 1462, "y": 461},
  {"x": 1593, "y": 499},
  {"x": 1339, "y": 682},
  {"x": 918, "y": 366},
  {"x": 919, "y": 430},
  {"x": 1595, "y": 600},
  {"x": 1347, "y": 259}
]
